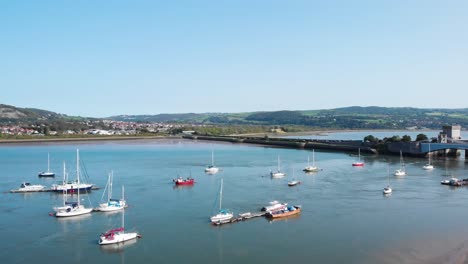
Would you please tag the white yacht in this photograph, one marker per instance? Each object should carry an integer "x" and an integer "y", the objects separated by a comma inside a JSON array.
[
  {"x": 72, "y": 208},
  {"x": 429, "y": 165},
  {"x": 278, "y": 173},
  {"x": 111, "y": 204},
  {"x": 402, "y": 170},
  {"x": 47, "y": 173},
  {"x": 312, "y": 168},
  {"x": 28, "y": 187},
  {"x": 212, "y": 169},
  {"x": 117, "y": 235},
  {"x": 223, "y": 215}
]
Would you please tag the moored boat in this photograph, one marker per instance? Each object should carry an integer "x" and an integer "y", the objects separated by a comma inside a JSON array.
[
  {"x": 47, "y": 173},
  {"x": 211, "y": 169},
  {"x": 274, "y": 206},
  {"x": 358, "y": 163},
  {"x": 288, "y": 211},
  {"x": 310, "y": 168},
  {"x": 117, "y": 235},
  {"x": 72, "y": 208},
  {"x": 278, "y": 173},
  {"x": 28, "y": 187},
  {"x": 293, "y": 183},
  {"x": 182, "y": 181},
  {"x": 111, "y": 204},
  {"x": 223, "y": 215}
]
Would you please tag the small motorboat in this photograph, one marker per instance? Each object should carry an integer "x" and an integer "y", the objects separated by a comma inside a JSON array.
[
  {"x": 288, "y": 211},
  {"x": 387, "y": 190},
  {"x": 182, "y": 181},
  {"x": 274, "y": 206},
  {"x": 28, "y": 187},
  {"x": 293, "y": 183},
  {"x": 445, "y": 182}
]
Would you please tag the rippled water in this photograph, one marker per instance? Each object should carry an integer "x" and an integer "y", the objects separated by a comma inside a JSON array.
[{"x": 345, "y": 217}]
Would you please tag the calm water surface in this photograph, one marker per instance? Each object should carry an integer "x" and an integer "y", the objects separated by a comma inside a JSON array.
[{"x": 345, "y": 217}]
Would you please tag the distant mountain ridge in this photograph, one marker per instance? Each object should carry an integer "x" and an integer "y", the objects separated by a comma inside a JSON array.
[
  {"x": 14, "y": 114},
  {"x": 353, "y": 117}
]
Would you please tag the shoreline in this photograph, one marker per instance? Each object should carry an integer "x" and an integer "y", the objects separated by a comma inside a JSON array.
[
  {"x": 87, "y": 139},
  {"x": 324, "y": 132}
]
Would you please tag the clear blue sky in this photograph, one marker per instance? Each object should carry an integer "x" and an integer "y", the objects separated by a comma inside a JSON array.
[{"x": 102, "y": 58}]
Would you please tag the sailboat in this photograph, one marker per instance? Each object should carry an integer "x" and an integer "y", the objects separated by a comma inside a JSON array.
[
  {"x": 429, "y": 165},
  {"x": 47, "y": 173},
  {"x": 388, "y": 189},
  {"x": 402, "y": 170},
  {"x": 358, "y": 163},
  {"x": 72, "y": 208},
  {"x": 72, "y": 186},
  {"x": 312, "y": 168},
  {"x": 211, "y": 169},
  {"x": 293, "y": 182},
  {"x": 223, "y": 215},
  {"x": 111, "y": 204},
  {"x": 278, "y": 173},
  {"x": 117, "y": 235}
]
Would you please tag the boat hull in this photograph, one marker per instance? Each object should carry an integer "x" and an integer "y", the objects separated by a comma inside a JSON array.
[
  {"x": 311, "y": 169},
  {"x": 211, "y": 170},
  {"x": 72, "y": 189},
  {"x": 66, "y": 213},
  {"x": 358, "y": 164},
  {"x": 118, "y": 238},
  {"x": 281, "y": 214},
  {"x": 277, "y": 174},
  {"x": 105, "y": 207},
  {"x": 46, "y": 174}
]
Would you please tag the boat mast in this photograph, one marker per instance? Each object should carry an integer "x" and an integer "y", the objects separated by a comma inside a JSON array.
[
  {"x": 212, "y": 158},
  {"x": 221, "y": 194},
  {"x": 78, "y": 174},
  {"x": 109, "y": 192},
  {"x": 123, "y": 213},
  {"x": 313, "y": 157},
  {"x": 64, "y": 184},
  {"x": 278, "y": 163},
  {"x": 48, "y": 162},
  {"x": 359, "y": 154}
]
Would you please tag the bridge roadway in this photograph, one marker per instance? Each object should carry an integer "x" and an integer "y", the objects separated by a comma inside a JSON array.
[{"x": 458, "y": 145}]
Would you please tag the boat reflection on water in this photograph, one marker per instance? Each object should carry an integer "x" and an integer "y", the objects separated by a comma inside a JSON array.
[
  {"x": 117, "y": 247},
  {"x": 179, "y": 187}
]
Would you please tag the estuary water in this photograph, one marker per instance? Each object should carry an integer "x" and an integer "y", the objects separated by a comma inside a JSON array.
[{"x": 345, "y": 217}]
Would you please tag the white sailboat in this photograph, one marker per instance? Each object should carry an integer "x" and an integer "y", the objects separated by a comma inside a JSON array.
[
  {"x": 358, "y": 163},
  {"x": 312, "y": 168},
  {"x": 212, "y": 169},
  {"x": 429, "y": 165},
  {"x": 47, "y": 173},
  {"x": 293, "y": 182},
  {"x": 402, "y": 170},
  {"x": 278, "y": 173},
  {"x": 388, "y": 190},
  {"x": 117, "y": 235},
  {"x": 223, "y": 215},
  {"x": 111, "y": 204},
  {"x": 72, "y": 208}
]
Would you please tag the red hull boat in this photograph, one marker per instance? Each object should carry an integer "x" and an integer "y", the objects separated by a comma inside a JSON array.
[{"x": 180, "y": 181}]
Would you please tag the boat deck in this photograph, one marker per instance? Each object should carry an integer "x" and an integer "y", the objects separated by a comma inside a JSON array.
[
  {"x": 46, "y": 190},
  {"x": 242, "y": 217}
]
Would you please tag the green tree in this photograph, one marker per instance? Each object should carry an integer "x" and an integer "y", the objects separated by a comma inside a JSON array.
[
  {"x": 421, "y": 137},
  {"x": 406, "y": 138},
  {"x": 370, "y": 138}
]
